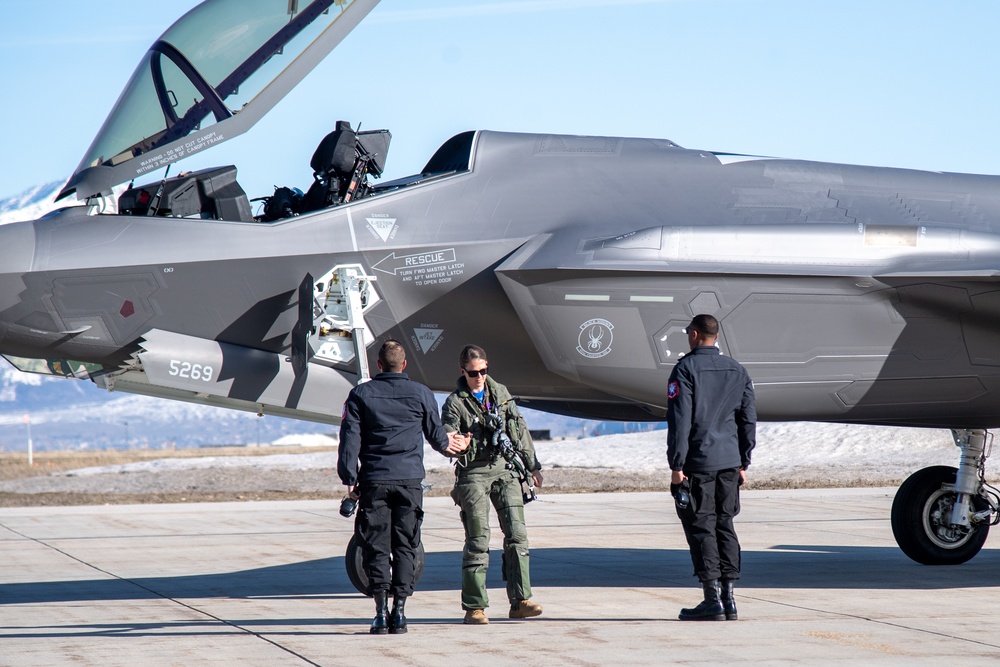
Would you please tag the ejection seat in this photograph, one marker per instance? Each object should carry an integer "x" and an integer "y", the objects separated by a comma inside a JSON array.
[
  {"x": 341, "y": 165},
  {"x": 333, "y": 166}
]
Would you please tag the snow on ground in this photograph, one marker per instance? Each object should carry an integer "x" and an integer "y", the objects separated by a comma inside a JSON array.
[
  {"x": 793, "y": 450},
  {"x": 305, "y": 440},
  {"x": 796, "y": 450}
]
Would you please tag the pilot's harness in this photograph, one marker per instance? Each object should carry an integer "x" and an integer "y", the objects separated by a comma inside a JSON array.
[{"x": 463, "y": 460}]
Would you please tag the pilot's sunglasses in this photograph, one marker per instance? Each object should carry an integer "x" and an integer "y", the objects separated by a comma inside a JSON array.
[{"x": 473, "y": 374}]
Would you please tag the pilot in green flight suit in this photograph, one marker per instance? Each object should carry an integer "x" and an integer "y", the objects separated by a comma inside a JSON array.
[{"x": 482, "y": 478}]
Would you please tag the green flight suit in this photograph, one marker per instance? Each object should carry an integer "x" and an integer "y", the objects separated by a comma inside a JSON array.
[{"x": 481, "y": 479}]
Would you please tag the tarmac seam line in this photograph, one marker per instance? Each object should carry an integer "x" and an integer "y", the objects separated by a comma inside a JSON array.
[
  {"x": 873, "y": 620},
  {"x": 171, "y": 536}
]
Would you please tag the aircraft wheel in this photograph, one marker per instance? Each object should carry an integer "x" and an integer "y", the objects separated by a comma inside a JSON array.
[
  {"x": 920, "y": 514},
  {"x": 356, "y": 571}
]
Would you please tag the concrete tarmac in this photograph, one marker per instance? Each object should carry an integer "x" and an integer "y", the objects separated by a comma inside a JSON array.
[{"x": 265, "y": 584}]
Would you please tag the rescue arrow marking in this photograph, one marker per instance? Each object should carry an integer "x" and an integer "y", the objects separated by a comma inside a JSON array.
[{"x": 391, "y": 263}]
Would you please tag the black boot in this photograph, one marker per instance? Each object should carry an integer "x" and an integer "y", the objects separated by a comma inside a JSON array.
[
  {"x": 380, "y": 625},
  {"x": 728, "y": 601},
  {"x": 397, "y": 619},
  {"x": 710, "y": 608}
]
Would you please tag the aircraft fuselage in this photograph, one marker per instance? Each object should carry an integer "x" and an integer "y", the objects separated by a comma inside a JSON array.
[{"x": 850, "y": 293}]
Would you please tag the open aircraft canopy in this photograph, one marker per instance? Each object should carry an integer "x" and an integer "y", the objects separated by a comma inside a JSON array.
[{"x": 209, "y": 78}]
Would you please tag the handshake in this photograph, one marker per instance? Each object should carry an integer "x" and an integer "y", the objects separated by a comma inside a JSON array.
[{"x": 457, "y": 443}]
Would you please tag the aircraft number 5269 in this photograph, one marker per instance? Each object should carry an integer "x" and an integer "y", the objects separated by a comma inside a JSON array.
[{"x": 186, "y": 369}]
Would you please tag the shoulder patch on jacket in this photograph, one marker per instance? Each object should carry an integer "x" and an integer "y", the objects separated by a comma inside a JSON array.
[{"x": 673, "y": 389}]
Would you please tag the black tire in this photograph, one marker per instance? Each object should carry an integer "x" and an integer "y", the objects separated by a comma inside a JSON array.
[
  {"x": 917, "y": 525},
  {"x": 356, "y": 571}
]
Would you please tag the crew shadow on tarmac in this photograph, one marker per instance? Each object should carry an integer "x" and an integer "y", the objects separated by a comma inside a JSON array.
[{"x": 785, "y": 566}]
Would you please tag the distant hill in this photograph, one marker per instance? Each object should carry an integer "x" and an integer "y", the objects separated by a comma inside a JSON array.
[
  {"x": 68, "y": 414},
  {"x": 76, "y": 414}
]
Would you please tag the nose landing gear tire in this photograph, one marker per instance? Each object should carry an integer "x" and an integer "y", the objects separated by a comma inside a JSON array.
[
  {"x": 920, "y": 513},
  {"x": 356, "y": 570}
]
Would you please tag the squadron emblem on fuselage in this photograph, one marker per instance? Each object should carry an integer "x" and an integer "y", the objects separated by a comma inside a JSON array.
[{"x": 595, "y": 338}]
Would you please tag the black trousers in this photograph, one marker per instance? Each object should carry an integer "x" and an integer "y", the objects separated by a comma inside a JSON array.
[
  {"x": 388, "y": 524},
  {"x": 708, "y": 524}
]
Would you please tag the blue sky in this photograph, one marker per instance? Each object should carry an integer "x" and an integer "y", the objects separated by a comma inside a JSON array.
[{"x": 893, "y": 83}]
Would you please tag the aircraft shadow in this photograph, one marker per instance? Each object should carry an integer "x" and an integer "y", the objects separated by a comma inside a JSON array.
[{"x": 789, "y": 566}]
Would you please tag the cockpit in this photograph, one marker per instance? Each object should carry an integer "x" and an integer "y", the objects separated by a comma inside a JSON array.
[
  {"x": 210, "y": 77},
  {"x": 344, "y": 164}
]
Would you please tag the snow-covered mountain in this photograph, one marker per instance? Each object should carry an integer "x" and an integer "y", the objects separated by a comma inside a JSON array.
[
  {"x": 62, "y": 413},
  {"x": 67, "y": 413},
  {"x": 31, "y": 204}
]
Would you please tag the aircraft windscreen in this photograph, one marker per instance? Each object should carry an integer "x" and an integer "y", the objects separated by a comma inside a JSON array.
[{"x": 204, "y": 69}]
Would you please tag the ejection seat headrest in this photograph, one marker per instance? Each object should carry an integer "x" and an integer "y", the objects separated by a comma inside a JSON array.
[{"x": 336, "y": 152}]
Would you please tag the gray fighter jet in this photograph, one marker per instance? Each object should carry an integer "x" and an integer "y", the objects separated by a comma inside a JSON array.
[{"x": 852, "y": 294}]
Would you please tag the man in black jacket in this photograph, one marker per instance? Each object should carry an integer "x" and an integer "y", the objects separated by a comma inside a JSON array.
[
  {"x": 384, "y": 426},
  {"x": 712, "y": 424}
]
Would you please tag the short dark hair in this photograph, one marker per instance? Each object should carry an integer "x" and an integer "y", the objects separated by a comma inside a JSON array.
[
  {"x": 470, "y": 352},
  {"x": 706, "y": 325},
  {"x": 392, "y": 356}
]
